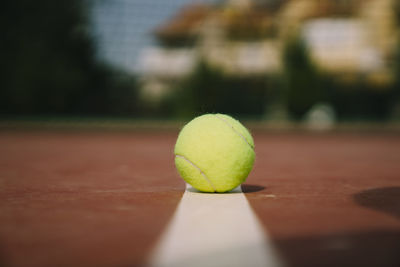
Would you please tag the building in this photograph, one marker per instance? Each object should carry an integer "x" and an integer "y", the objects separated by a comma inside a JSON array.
[{"x": 347, "y": 38}]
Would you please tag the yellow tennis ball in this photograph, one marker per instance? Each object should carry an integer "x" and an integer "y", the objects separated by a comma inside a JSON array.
[{"x": 214, "y": 153}]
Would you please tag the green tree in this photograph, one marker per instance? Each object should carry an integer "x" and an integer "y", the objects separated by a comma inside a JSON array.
[
  {"x": 210, "y": 90},
  {"x": 300, "y": 79},
  {"x": 48, "y": 61}
]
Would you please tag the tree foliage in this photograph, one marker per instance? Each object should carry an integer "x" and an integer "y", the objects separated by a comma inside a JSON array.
[{"x": 48, "y": 61}]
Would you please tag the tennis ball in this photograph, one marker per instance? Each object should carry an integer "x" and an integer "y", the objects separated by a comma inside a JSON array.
[{"x": 214, "y": 153}]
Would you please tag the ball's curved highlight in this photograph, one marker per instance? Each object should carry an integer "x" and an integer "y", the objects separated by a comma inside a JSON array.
[{"x": 214, "y": 153}]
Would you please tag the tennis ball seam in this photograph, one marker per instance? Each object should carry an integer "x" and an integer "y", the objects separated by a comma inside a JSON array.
[
  {"x": 237, "y": 132},
  {"x": 201, "y": 172}
]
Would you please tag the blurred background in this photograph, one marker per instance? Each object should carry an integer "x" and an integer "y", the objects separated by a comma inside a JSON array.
[{"x": 318, "y": 62}]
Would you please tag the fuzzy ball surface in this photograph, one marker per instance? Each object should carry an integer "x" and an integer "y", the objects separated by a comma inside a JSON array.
[{"x": 214, "y": 153}]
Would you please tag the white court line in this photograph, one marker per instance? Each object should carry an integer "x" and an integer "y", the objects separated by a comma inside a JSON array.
[{"x": 214, "y": 230}]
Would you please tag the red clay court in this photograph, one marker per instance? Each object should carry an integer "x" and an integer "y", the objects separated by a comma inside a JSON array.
[{"x": 86, "y": 198}]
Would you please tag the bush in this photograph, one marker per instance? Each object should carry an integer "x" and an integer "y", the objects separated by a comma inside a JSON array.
[
  {"x": 358, "y": 100},
  {"x": 48, "y": 62},
  {"x": 209, "y": 90},
  {"x": 300, "y": 79}
]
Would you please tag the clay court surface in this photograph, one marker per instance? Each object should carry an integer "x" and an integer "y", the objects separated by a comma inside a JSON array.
[{"x": 96, "y": 198}]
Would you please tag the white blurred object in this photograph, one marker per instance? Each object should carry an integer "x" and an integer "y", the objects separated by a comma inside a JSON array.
[
  {"x": 320, "y": 117},
  {"x": 342, "y": 45},
  {"x": 257, "y": 57},
  {"x": 278, "y": 113},
  {"x": 172, "y": 63}
]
